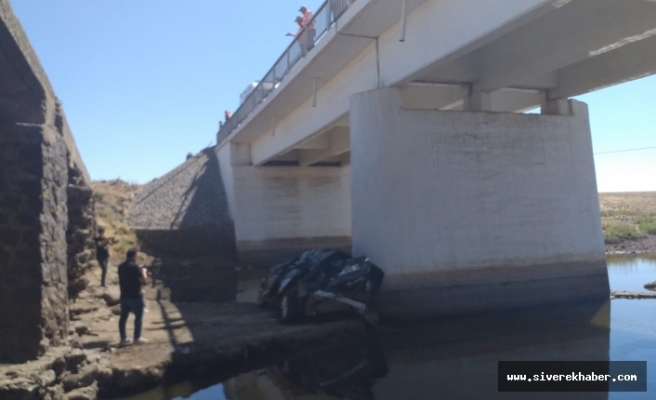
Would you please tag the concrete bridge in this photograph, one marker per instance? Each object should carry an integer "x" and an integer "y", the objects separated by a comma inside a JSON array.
[{"x": 401, "y": 133}]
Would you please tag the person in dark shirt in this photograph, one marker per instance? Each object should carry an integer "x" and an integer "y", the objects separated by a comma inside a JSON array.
[
  {"x": 102, "y": 253},
  {"x": 131, "y": 277}
]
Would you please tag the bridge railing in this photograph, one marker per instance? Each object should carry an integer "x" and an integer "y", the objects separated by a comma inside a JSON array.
[{"x": 303, "y": 43}]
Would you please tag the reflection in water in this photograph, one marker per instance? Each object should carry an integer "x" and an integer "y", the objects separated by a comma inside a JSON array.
[
  {"x": 181, "y": 391},
  {"x": 623, "y": 259},
  {"x": 456, "y": 358},
  {"x": 451, "y": 359},
  {"x": 633, "y": 333},
  {"x": 341, "y": 373},
  {"x": 631, "y": 273}
]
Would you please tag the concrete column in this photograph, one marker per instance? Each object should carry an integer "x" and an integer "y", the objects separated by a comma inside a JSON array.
[
  {"x": 478, "y": 101},
  {"x": 470, "y": 211},
  {"x": 556, "y": 107}
]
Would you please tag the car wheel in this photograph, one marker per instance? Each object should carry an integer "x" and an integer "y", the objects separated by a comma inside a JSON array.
[{"x": 290, "y": 309}]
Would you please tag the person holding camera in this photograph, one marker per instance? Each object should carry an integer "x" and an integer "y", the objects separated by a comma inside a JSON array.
[
  {"x": 131, "y": 278},
  {"x": 102, "y": 253}
]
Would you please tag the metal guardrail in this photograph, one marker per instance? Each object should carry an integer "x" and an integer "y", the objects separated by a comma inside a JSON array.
[{"x": 302, "y": 44}]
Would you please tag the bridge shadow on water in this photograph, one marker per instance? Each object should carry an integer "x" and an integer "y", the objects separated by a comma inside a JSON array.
[{"x": 450, "y": 358}]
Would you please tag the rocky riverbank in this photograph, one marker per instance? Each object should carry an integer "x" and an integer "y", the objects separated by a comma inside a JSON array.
[
  {"x": 646, "y": 245},
  {"x": 190, "y": 333},
  {"x": 186, "y": 340}
]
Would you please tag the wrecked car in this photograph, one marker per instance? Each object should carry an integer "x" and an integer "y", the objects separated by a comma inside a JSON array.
[{"x": 319, "y": 281}]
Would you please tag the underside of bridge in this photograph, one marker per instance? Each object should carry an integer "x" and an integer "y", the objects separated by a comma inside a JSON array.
[
  {"x": 420, "y": 152},
  {"x": 457, "y": 55}
]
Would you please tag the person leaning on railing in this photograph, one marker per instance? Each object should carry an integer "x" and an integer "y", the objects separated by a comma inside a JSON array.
[{"x": 300, "y": 34}]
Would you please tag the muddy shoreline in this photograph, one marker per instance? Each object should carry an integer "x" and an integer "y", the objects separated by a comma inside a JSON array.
[
  {"x": 646, "y": 245},
  {"x": 215, "y": 362}
]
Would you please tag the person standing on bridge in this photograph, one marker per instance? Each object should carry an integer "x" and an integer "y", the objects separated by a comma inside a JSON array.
[
  {"x": 299, "y": 35},
  {"x": 310, "y": 27},
  {"x": 131, "y": 278}
]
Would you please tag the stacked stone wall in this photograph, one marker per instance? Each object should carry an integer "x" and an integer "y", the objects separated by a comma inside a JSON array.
[
  {"x": 33, "y": 222},
  {"x": 38, "y": 160},
  {"x": 81, "y": 228},
  {"x": 182, "y": 220}
]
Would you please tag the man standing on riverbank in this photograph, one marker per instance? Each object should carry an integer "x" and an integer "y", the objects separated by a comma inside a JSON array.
[
  {"x": 131, "y": 278},
  {"x": 102, "y": 253}
]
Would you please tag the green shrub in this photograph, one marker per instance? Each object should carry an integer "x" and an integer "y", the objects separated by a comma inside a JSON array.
[
  {"x": 615, "y": 232},
  {"x": 647, "y": 226}
]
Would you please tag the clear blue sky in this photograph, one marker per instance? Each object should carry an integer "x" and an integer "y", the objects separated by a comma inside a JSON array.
[{"x": 143, "y": 82}]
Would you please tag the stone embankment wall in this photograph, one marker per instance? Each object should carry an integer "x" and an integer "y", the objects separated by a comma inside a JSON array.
[
  {"x": 185, "y": 212},
  {"x": 80, "y": 233},
  {"x": 33, "y": 221},
  {"x": 183, "y": 220},
  {"x": 38, "y": 158}
]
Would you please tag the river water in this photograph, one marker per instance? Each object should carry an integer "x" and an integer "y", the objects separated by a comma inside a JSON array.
[{"x": 457, "y": 359}]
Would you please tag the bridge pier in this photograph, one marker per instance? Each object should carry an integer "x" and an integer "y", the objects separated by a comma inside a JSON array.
[
  {"x": 474, "y": 211},
  {"x": 281, "y": 211}
]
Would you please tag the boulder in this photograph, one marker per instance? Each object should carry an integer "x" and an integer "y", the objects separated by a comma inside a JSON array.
[
  {"x": 84, "y": 393},
  {"x": 85, "y": 376},
  {"x": 81, "y": 329},
  {"x": 112, "y": 296}
]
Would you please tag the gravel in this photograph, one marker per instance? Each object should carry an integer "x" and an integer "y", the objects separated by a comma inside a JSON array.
[{"x": 189, "y": 196}]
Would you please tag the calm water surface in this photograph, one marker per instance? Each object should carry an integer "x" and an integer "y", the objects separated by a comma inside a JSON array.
[{"x": 457, "y": 359}]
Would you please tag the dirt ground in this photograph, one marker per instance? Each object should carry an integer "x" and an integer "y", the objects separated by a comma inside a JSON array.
[
  {"x": 190, "y": 336},
  {"x": 186, "y": 340}
]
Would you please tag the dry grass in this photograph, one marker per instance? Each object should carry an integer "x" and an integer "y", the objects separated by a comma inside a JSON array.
[
  {"x": 627, "y": 216},
  {"x": 113, "y": 200}
]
